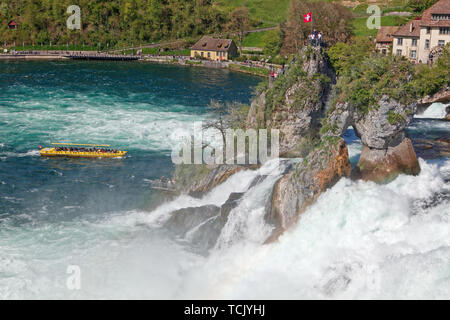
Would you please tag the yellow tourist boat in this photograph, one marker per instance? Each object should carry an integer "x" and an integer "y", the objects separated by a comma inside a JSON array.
[{"x": 74, "y": 150}]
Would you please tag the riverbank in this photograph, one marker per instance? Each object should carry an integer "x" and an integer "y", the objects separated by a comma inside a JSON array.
[
  {"x": 31, "y": 57},
  {"x": 253, "y": 69}
]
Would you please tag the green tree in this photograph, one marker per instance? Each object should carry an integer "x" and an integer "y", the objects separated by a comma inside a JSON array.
[{"x": 240, "y": 23}]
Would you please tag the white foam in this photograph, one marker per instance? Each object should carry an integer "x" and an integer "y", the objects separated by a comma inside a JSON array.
[
  {"x": 359, "y": 240},
  {"x": 435, "y": 111},
  {"x": 30, "y": 153},
  {"x": 92, "y": 119}
]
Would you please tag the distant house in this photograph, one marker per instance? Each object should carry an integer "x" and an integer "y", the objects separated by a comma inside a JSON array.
[
  {"x": 214, "y": 49},
  {"x": 406, "y": 40},
  {"x": 418, "y": 38},
  {"x": 12, "y": 25},
  {"x": 384, "y": 39}
]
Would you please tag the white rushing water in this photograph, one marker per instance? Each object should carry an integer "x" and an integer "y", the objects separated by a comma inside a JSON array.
[
  {"x": 359, "y": 240},
  {"x": 435, "y": 111}
]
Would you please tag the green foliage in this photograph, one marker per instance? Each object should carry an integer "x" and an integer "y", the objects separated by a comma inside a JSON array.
[
  {"x": 365, "y": 77},
  {"x": 420, "y": 5},
  {"x": 430, "y": 80},
  {"x": 279, "y": 59},
  {"x": 344, "y": 55},
  {"x": 254, "y": 39},
  {"x": 261, "y": 87},
  {"x": 394, "y": 118},
  {"x": 275, "y": 95},
  {"x": 307, "y": 92},
  {"x": 251, "y": 70},
  {"x": 154, "y": 51},
  {"x": 115, "y": 22},
  {"x": 264, "y": 13},
  {"x": 272, "y": 43},
  {"x": 188, "y": 175},
  {"x": 327, "y": 128},
  {"x": 361, "y": 8},
  {"x": 361, "y": 30}
]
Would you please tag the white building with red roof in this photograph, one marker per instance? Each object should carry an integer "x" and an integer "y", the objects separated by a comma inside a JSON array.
[{"x": 417, "y": 38}]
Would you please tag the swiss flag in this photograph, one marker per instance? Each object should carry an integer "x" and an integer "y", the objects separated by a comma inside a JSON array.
[{"x": 307, "y": 17}]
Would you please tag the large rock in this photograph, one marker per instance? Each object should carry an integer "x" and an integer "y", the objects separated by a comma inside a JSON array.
[
  {"x": 381, "y": 165},
  {"x": 298, "y": 189},
  {"x": 183, "y": 220},
  {"x": 383, "y": 126},
  {"x": 201, "y": 226},
  {"x": 196, "y": 180},
  {"x": 447, "y": 116},
  {"x": 386, "y": 151}
]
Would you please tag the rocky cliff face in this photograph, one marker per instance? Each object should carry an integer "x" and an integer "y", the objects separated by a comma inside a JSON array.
[
  {"x": 296, "y": 102},
  {"x": 299, "y": 188},
  {"x": 196, "y": 180},
  {"x": 301, "y": 104}
]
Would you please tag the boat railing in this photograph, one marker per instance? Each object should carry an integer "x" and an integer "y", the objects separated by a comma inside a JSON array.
[{"x": 163, "y": 185}]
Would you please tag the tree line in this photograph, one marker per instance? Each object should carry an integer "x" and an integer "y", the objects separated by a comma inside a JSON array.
[
  {"x": 114, "y": 22},
  {"x": 120, "y": 22}
]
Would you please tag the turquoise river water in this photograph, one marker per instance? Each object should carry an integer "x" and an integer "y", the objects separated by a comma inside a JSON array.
[{"x": 360, "y": 240}]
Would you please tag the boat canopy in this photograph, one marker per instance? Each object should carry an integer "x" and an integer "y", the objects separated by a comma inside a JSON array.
[{"x": 80, "y": 145}]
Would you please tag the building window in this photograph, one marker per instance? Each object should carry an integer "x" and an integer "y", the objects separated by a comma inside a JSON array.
[
  {"x": 441, "y": 43},
  {"x": 413, "y": 54},
  {"x": 428, "y": 30},
  {"x": 209, "y": 54},
  {"x": 427, "y": 44},
  {"x": 383, "y": 51},
  {"x": 399, "y": 52},
  {"x": 202, "y": 53},
  {"x": 444, "y": 30},
  {"x": 399, "y": 41},
  {"x": 414, "y": 42},
  {"x": 440, "y": 16}
]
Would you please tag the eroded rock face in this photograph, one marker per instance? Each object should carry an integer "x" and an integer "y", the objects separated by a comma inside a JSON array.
[
  {"x": 447, "y": 116},
  {"x": 196, "y": 180},
  {"x": 183, "y": 220},
  {"x": 387, "y": 151},
  {"x": 202, "y": 226},
  {"x": 385, "y": 125},
  {"x": 299, "y": 188},
  {"x": 296, "y": 102}
]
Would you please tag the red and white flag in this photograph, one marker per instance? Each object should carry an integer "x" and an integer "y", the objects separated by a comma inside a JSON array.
[{"x": 307, "y": 17}]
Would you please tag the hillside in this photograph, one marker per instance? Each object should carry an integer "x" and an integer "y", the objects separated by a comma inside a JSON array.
[
  {"x": 124, "y": 22},
  {"x": 264, "y": 13}
]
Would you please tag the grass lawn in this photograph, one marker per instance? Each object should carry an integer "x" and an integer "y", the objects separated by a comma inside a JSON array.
[
  {"x": 256, "y": 39},
  {"x": 252, "y": 70},
  {"x": 268, "y": 12},
  {"x": 361, "y": 29}
]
